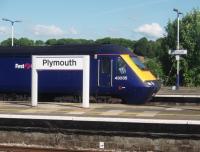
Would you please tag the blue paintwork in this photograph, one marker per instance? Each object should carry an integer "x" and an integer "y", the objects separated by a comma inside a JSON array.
[{"x": 132, "y": 90}]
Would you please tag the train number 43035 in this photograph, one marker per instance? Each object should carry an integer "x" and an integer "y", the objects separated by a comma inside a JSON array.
[{"x": 121, "y": 78}]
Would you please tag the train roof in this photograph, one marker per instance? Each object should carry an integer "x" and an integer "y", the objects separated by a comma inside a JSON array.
[{"x": 90, "y": 49}]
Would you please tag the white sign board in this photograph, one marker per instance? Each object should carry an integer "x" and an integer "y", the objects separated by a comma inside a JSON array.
[
  {"x": 177, "y": 52},
  {"x": 61, "y": 62}
]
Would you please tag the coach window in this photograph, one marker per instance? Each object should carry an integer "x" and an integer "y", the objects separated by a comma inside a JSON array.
[
  {"x": 121, "y": 66},
  {"x": 105, "y": 65}
]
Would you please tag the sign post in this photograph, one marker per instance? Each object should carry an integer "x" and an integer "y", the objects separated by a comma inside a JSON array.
[
  {"x": 177, "y": 54},
  {"x": 86, "y": 81},
  {"x": 61, "y": 62}
]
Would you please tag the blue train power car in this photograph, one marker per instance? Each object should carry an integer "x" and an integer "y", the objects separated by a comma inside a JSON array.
[{"x": 114, "y": 71}]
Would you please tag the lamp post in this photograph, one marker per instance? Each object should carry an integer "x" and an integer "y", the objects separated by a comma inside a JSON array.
[
  {"x": 12, "y": 24},
  {"x": 177, "y": 56}
]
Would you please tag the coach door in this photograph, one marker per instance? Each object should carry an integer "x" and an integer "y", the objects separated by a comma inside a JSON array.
[{"x": 105, "y": 72}]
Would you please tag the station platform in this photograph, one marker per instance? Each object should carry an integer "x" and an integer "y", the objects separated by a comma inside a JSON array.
[
  {"x": 160, "y": 114},
  {"x": 182, "y": 92},
  {"x": 116, "y": 126}
]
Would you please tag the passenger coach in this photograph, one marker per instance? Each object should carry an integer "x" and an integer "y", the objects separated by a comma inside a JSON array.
[{"x": 114, "y": 71}]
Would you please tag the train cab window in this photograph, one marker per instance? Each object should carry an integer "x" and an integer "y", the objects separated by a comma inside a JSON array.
[
  {"x": 105, "y": 65},
  {"x": 138, "y": 63},
  {"x": 121, "y": 66}
]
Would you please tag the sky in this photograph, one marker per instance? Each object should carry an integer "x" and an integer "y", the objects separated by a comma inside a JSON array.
[{"x": 90, "y": 19}]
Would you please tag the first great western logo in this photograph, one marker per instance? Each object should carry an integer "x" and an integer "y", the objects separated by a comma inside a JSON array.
[{"x": 25, "y": 66}]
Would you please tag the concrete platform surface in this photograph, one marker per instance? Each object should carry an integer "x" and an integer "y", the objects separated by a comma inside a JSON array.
[
  {"x": 169, "y": 114},
  {"x": 181, "y": 92}
]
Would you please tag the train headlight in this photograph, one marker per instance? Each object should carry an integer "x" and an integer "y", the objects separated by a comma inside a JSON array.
[{"x": 149, "y": 83}]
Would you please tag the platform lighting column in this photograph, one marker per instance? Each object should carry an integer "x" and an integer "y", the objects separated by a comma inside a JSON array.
[
  {"x": 177, "y": 56},
  {"x": 12, "y": 25}
]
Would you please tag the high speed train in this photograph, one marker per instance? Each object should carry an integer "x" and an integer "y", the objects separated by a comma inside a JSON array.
[{"x": 114, "y": 71}]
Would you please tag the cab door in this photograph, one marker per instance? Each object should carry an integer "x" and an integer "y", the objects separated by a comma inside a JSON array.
[{"x": 105, "y": 71}]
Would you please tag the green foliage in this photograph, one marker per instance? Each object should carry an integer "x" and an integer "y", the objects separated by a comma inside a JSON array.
[
  {"x": 25, "y": 42},
  {"x": 64, "y": 41},
  {"x": 51, "y": 42},
  {"x": 18, "y": 42},
  {"x": 147, "y": 48},
  {"x": 8, "y": 42},
  {"x": 190, "y": 40},
  {"x": 119, "y": 41},
  {"x": 141, "y": 46},
  {"x": 156, "y": 68},
  {"x": 39, "y": 43}
]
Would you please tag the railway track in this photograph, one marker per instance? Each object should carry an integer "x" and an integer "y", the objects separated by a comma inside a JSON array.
[
  {"x": 29, "y": 149},
  {"x": 57, "y": 98},
  {"x": 99, "y": 99},
  {"x": 4, "y": 148}
]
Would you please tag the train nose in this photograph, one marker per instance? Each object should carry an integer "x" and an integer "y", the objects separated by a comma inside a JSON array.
[
  {"x": 143, "y": 93},
  {"x": 154, "y": 85},
  {"x": 157, "y": 86}
]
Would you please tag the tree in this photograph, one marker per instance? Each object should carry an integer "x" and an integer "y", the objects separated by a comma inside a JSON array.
[
  {"x": 61, "y": 41},
  {"x": 157, "y": 48},
  {"x": 146, "y": 48},
  {"x": 190, "y": 40},
  {"x": 119, "y": 41},
  {"x": 51, "y": 42},
  {"x": 155, "y": 67},
  {"x": 106, "y": 40},
  {"x": 25, "y": 42},
  {"x": 8, "y": 42},
  {"x": 141, "y": 47},
  {"x": 39, "y": 43},
  {"x": 65, "y": 41}
]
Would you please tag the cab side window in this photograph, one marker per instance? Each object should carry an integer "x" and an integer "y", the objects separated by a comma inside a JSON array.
[{"x": 121, "y": 66}]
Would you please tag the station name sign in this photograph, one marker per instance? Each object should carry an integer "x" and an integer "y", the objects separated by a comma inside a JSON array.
[
  {"x": 60, "y": 62},
  {"x": 177, "y": 52}
]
